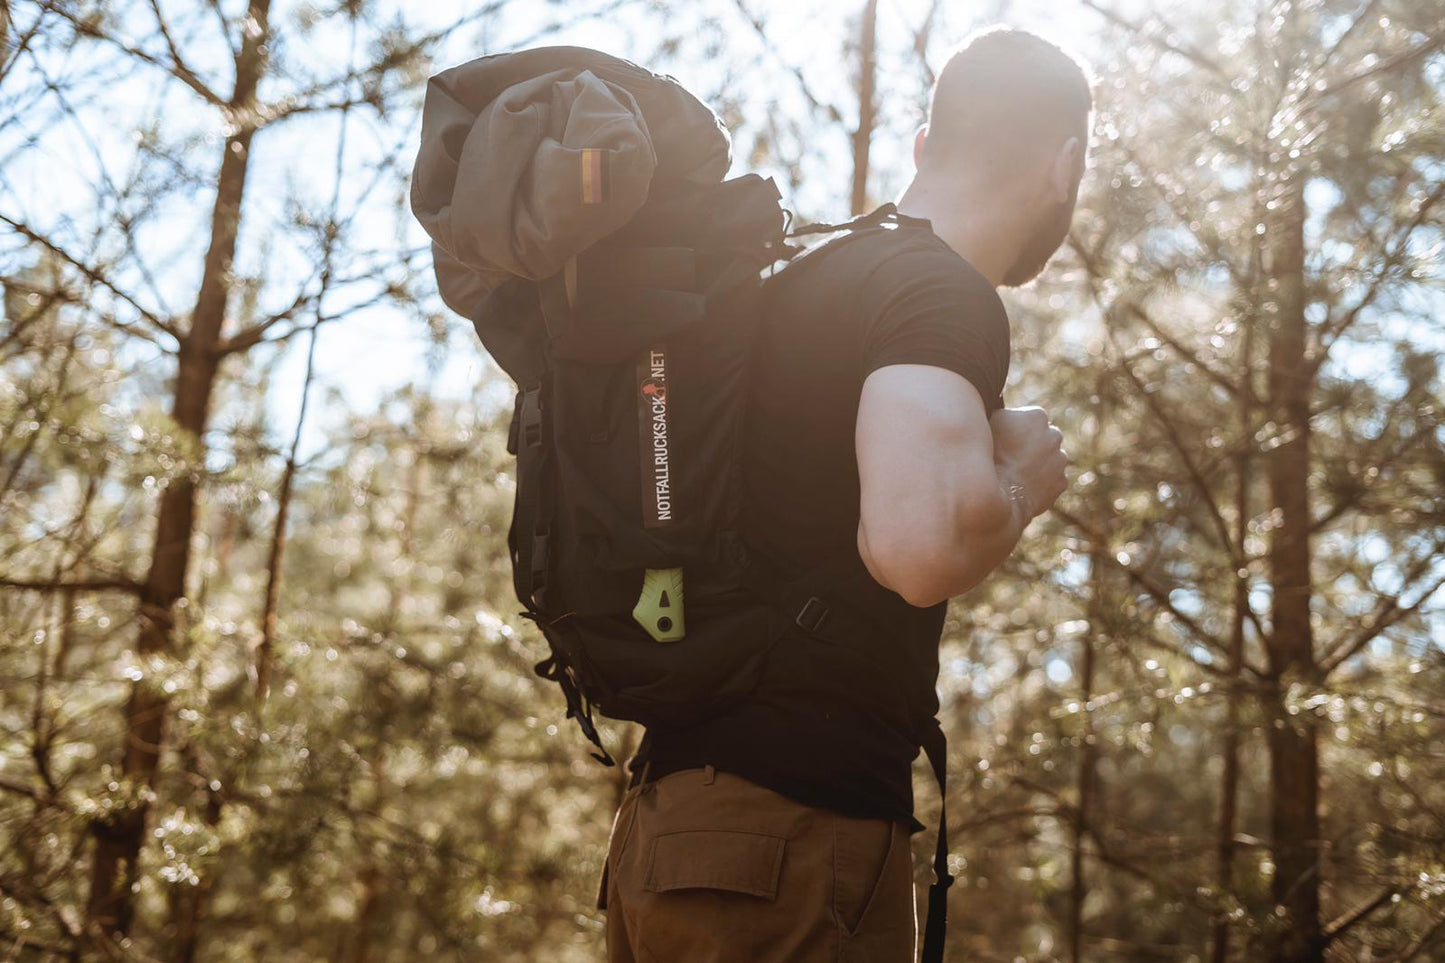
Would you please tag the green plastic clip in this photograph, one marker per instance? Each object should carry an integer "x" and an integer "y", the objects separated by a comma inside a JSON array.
[{"x": 659, "y": 607}]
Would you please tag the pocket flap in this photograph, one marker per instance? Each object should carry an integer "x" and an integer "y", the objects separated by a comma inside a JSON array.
[{"x": 738, "y": 862}]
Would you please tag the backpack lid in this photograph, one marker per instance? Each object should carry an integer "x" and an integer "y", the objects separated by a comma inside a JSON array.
[{"x": 528, "y": 158}]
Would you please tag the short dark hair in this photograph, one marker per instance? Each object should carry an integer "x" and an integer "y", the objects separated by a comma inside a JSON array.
[{"x": 1003, "y": 94}]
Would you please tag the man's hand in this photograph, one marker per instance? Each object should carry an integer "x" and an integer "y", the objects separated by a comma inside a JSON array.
[{"x": 1029, "y": 454}]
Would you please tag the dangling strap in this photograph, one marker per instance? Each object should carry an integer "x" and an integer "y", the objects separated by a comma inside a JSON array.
[
  {"x": 935, "y": 746},
  {"x": 551, "y": 668}
]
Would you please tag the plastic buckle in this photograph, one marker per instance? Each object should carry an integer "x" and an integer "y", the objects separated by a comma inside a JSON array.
[
  {"x": 539, "y": 560},
  {"x": 811, "y": 616},
  {"x": 516, "y": 423},
  {"x": 531, "y": 430}
]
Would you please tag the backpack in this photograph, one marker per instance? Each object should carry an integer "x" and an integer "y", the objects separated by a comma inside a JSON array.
[{"x": 581, "y": 220}]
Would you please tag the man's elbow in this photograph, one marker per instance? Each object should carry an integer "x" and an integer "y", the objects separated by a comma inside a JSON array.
[
  {"x": 919, "y": 571},
  {"x": 928, "y": 565},
  {"x": 925, "y": 592}
]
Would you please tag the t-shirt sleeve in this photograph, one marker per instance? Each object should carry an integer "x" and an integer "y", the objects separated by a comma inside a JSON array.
[{"x": 922, "y": 307}]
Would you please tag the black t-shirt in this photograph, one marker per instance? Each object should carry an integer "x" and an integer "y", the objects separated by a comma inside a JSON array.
[{"x": 814, "y": 730}]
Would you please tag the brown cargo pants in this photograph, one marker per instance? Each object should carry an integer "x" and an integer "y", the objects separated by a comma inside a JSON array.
[{"x": 706, "y": 867}]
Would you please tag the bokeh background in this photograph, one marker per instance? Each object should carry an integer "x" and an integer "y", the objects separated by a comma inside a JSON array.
[{"x": 263, "y": 690}]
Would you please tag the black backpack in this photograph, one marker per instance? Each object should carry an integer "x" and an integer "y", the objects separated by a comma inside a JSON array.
[{"x": 631, "y": 367}]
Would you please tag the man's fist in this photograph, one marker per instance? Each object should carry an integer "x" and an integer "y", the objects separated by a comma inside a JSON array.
[{"x": 1029, "y": 452}]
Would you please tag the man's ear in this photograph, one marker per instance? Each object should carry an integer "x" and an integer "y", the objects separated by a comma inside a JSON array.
[
  {"x": 1068, "y": 166},
  {"x": 918, "y": 140}
]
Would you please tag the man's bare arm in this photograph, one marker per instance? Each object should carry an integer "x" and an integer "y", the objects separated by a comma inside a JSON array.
[{"x": 936, "y": 515}]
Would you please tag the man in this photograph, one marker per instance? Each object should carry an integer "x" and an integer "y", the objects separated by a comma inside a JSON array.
[{"x": 779, "y": 831}]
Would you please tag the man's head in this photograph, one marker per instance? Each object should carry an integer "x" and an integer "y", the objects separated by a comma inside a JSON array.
[{"x": 1009, "y": 120}]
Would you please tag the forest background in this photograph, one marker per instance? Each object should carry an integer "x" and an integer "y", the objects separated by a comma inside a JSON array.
[{"x": 263, "y": 690}]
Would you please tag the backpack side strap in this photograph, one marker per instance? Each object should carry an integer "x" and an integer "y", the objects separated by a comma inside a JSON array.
[
  {"x": 807, "y": 601},
  {"x": 935, "y": 747}
]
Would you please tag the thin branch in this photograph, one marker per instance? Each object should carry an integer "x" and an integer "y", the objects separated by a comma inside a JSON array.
[
  {"x": 834, "y": 114},
  {"x": 1401, "y": 59},
  {"x": 1356, "y": 495},
  {"x": 1388, "y": 611},
  {"x": 1342, "y": 925},
  {"x": 181, "y": 69},
  {"x": 1164, "y": 42},
  {"x": 1414, "y": 949},
  {"x": 1238, "y": 559},
  {"x": 94, "y": 275},
  {"x": 20, "y": 789},
  {"x": 1091, "y": 266},
  {"x": 299, "y": 101},
  {"x": 1171, "y": 431},
  {"x": 1185, "y": 215},
  {"x": 126, "y": 585},
  {"x": 1158, "y": 594},
  {"x": 176, "y": 69},
  {"x": 1395, "y": 252},
  {"x": 249, "y": 336},
  {"x": 224, "y": 22},
  {"x": 375, "y": 299},
  {"x": 1329, "y": 55},
  {"x": 263, "y": 656},
  {"x": 921, "y": 38},
  {"x": 21, "y": 45}
]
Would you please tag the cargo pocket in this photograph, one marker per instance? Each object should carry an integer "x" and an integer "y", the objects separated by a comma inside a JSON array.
[
  {"x": 865, "y": 874},
  {"x": 736, "y": 862}
]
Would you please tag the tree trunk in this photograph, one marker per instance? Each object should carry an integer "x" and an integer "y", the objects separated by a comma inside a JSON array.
[
  {"x": 273, "y": 581},
  {"x": 1294, "y": 762},
  {"x": 1088, "y": 758},
  {"x": 189, "y": 902},
  {"x": 1229, "y": 779},
  {"x": 118, "y": 837},
  {"x": 1097, "y": 629},
  {"x": 863, "y": 136}
]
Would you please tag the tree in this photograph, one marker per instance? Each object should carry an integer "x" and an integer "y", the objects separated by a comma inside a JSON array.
[
  {"x": 1214, "y": 256},
  {"x": 109, "y": 273}
]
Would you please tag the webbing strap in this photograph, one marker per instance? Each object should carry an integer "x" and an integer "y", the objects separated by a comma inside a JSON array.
[
  {"x": 935, "y": 747},
  {"x": 807, "y": 600},
  {"x": 528, "y": 536},
  {"x": 863, "y": 220},
  {"x": 888, "y": 211}
]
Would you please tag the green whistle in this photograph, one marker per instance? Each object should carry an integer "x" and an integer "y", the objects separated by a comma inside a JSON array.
[{"x": 659, "y": 607}]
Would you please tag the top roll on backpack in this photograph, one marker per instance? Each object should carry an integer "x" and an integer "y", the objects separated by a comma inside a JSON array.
[{"x": 580, "y": 219}]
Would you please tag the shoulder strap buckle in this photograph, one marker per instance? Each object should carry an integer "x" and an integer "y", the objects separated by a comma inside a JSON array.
[
  {"x": 811, "y": 616},
  {"x": 531, "y": 417}
]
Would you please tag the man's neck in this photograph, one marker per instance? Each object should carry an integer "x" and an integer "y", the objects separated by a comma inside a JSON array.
[{"x": 974, "y": 228}]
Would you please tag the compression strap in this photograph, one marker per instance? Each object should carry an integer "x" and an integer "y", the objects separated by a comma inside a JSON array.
[{"x": 883, "y": 213}]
